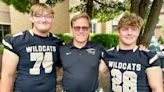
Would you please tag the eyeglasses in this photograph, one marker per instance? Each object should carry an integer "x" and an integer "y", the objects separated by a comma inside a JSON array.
[
  {"x": 83, "y": 28},
  {"x": 46, "y": 17}
]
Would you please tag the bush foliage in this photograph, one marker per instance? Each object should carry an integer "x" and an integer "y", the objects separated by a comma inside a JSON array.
[
  {"x": 161, "y": 39},
  {"x": 66, "y": 38},
  {"x": 1, "y": 49},
  {"x": 107, "y": 40}
]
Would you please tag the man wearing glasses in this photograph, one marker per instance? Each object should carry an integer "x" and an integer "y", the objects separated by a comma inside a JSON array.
[
  {"x": 80, "y": 59},
  {"x": 32, "y": 55}
]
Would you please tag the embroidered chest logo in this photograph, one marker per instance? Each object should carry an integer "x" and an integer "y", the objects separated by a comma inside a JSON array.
[
  {"x": 91, "y": 51},
  {"x": 68, "y": 53}
]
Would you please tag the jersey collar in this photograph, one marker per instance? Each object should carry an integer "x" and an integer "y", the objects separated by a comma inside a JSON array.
[
  {"x": 134, "y": 49},
  {"x": 88, "y": 45},
  {"x": 32, "y": 33}
]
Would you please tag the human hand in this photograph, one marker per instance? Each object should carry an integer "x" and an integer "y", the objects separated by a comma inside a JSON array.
[{"x": 142, "y": 47}]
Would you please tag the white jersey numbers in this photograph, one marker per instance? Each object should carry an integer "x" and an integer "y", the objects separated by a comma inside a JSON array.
[
  {"x": 127, "y": 79},
  {"x": 40, "y": 58}
]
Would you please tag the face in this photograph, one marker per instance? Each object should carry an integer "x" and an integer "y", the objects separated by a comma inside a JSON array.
[
  {"x": 80, "y": 30},
  {"x": 42, "y": 22},
  {"x": 128, "y": 35}
]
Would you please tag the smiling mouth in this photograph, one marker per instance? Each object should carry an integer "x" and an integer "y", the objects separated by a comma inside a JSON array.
[{"x": 81, "y": 35}]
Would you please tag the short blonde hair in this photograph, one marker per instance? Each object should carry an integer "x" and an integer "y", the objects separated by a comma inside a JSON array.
[
  {"x": 81, "y": 15},
  {"x": 130, "y": 19},
  {"x": 40, "y": 8}
]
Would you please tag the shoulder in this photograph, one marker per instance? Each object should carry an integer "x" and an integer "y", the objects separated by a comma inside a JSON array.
[
  {"x": 55, "y": 39},
  {"x": 54, "y": 36},
  {"x": 65, "y": 46},
  {"x": 95, "y": 45},
  {"x": 17, "y": 35},
  {"x": 147, "y": 54},
  {"x": 110, "y": 49},
  {"x": 151, "y": 56},
  {"x": 14, "y": 39}
]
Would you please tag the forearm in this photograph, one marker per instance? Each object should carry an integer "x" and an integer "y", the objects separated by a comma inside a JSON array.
[{"x": 6, "y": 84}]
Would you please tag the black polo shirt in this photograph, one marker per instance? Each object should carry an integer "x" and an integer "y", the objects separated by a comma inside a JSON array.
[{"x": 80, "y": 67}]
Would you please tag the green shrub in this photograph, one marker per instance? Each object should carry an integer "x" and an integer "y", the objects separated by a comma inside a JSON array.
[
  {"x": 107, "y": 40},
  {"x": 116, "y": 39},
  {"x": 65, "y": 37},
  {"x": 161, "y": 39},
  {"x": 1, "y": 49},
  {"x": 91, "y": 35},
  {"x": 8, "y": 35}
]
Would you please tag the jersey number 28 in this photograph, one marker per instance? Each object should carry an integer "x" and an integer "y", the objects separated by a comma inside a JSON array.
[{"x": 124, "y": 82}]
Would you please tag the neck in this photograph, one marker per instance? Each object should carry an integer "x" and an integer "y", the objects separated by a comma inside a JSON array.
[
  {"x": 127, "y": 47},
  {"x": 79, "y": 44},
  {"x": 40, "y": 33}
]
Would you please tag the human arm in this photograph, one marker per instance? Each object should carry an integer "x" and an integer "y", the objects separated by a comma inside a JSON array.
[
  {"x": 102, "y": 67},
  {"x": 9, "y": 65},
  {"x": 155, "y": 79}
]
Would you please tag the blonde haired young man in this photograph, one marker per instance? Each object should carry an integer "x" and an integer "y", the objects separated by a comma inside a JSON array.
[
  {"x": 31, "y": 55},
  {"x": 131, "y": 69}
]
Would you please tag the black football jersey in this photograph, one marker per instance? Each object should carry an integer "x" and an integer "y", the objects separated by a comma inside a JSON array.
[
  {"x": 38, "y": 57},
  {"x": 128, "y": 69}
]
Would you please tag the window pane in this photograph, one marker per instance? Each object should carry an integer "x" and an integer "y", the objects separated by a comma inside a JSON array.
[
  {"x": 1, "y": 36},
  {"x": 4, "y": 29}
]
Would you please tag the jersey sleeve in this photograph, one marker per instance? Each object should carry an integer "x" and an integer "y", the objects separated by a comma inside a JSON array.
[
  {"x": 59, "y": 44},
  {"x": 106, "y": 54},
  {"x": 13, "y": 43},
  {"x": 154, "y": 61},
  {"x": 59, "y": 64},
  {"x": 8, "y": 44}
]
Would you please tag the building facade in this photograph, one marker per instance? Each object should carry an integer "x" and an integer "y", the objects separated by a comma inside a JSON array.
[
  {"x": 159, "y": 31},
  {"x": 4, "y": 20},
  {"x": 12, "y": 21}
]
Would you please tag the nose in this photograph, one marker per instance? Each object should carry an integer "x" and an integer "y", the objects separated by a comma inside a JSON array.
[
  {"x": 129, "y": 31},
  {"x": 43, "y": 18},
  {"x": 81, "y": 30}
]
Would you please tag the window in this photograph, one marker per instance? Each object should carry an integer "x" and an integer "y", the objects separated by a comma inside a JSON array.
[
  {"x": 4, "y": 29},
  {"x": 93, "y": 28},
  {"x": 114, "y": 28}
]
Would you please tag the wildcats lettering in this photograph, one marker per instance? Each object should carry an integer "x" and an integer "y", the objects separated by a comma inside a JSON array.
[
  {"x": 125, "y": 66},
  {"x": 40, "y": 49}
]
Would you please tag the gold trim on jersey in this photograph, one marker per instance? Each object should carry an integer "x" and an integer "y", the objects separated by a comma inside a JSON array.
[
  {"x": 30, "y": 31},
  {"x": 7, "y": 44},
  {"x": 18, "y": 34},
  {"x": 153, "y": 59}
]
